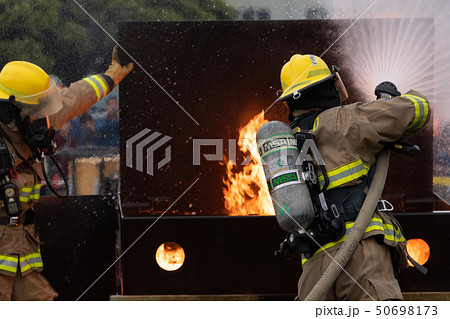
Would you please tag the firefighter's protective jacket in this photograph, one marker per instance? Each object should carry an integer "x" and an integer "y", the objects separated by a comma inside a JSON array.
[
  {"x": 348, "y": 138},
  {"x": 20, "y": 245}
]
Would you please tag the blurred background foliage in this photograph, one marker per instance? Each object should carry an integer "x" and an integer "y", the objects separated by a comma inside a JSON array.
[{"x": 59, "y": 35}]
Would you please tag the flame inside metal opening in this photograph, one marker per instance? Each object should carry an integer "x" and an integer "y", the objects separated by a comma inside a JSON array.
[
  {"x": 419, "y": 250},
  {"x": 170, "y": 256}
]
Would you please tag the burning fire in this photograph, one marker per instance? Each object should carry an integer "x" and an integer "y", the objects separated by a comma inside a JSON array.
[
  {"x": 419, "y": 250},
  {"x": 245, "y": 191},
  {"x": 170, "y": 256}
]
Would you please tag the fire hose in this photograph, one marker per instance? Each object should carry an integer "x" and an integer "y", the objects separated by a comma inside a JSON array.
[{"x": 356, "y": 232}]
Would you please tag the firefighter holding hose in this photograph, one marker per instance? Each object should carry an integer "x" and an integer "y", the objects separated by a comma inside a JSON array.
[
  {"x": 348, "y": 138},
  {"x": 31, "y": 109}
]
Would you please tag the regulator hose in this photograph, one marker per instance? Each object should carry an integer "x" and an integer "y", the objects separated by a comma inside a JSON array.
[
  {"x": 357, "y": 231},
  {"x": 49, "y": 183}
]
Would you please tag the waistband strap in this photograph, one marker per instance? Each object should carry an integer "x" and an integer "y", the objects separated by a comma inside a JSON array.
[
  {"x": 348, "y": 200},
  {"x": 11, "y": 221},
  {"x": 25, "y": 218}
]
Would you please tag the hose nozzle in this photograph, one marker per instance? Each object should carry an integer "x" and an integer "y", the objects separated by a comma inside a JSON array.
[{"x": 386, "y": 90}]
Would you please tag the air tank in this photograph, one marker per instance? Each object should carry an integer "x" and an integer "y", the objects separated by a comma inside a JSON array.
[{"x": 277, "y": 147}]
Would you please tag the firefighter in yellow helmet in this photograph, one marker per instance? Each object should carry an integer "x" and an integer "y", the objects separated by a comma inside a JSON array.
[
  {"x": 31, "y": 109},
  {"x": 348, "y": 137}
]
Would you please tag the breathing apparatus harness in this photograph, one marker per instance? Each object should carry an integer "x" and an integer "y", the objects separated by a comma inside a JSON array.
[
  {"x": 336, "y": 206},
  {"x": 329, "y": 221},
  {"x": 39, "y": 136},
  {"x": 8, "y": 191}
]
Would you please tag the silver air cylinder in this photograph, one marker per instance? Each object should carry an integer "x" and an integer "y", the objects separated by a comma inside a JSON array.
[{"x": 277, "y": 147}]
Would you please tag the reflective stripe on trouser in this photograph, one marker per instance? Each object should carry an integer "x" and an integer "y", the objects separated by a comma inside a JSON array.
[
  {"x": 9, "y": 263},
  {"x": 31, "y": 261},
  {"x": 30, "y": 193},
  {"x": 376, "y": 224},
  {"x": 98, "y": 84},
  {"x": 420, "y": 114},
  {"x": 345, "y": 173}
]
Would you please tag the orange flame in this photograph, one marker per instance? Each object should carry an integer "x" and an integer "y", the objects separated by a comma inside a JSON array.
[
  {"x": 170, "y": 256},
  {"x": 419, "y": 250},
  {"x": 245, "y": 191}
]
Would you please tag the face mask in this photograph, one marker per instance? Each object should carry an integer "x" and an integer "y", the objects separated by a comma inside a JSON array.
[{"x": 38, "y": 135}]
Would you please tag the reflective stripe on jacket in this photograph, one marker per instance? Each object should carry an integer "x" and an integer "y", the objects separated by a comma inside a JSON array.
[
  {"x": 99, "y": 85},
  {"x": 392, "y": 234},
  {"x": 33, "y": 261},
  {"x": 349, "y": 136},
  {"x": 420, "y": 115},
  {"x": 28, "y": 193},
  {"x": 344, "y": 174}
]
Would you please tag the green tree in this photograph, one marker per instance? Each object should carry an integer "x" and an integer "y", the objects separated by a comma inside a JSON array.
[{"x": 61, "y": 37}]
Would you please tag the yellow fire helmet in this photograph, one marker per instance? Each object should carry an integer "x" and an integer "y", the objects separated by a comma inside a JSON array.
[
  {"x": 35, "y": 94},
  {"x": 302, "y": 72}
]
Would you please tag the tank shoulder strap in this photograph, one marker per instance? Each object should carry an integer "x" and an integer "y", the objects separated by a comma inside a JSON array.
[
  {"x": 305, "y": 121},
  {"x": 6, "y": 136}
]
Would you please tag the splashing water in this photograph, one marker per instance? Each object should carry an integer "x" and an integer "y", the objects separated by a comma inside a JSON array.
[
  {"x": 388, "y": 55},
  {"x": 406, "y": 42}
]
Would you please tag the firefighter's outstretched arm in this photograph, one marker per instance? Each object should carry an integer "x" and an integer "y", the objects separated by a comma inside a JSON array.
[
  {"x": 81, "y": 95},
  {"x": 116, "y": 70}
]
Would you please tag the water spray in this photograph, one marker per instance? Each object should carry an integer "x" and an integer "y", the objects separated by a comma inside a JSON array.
[{"x": 404, "y": 42}]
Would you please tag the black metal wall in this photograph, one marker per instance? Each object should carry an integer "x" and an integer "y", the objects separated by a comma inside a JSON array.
[
  {"x": 224, "y": 255},
  {"x": 79, "y": 235},
  {"x": 431, "y": 227},
  {"x": 234, "y": 255}
]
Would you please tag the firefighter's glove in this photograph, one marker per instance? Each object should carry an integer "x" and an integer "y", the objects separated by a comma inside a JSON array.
[{"x": 116, "y": 71}]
